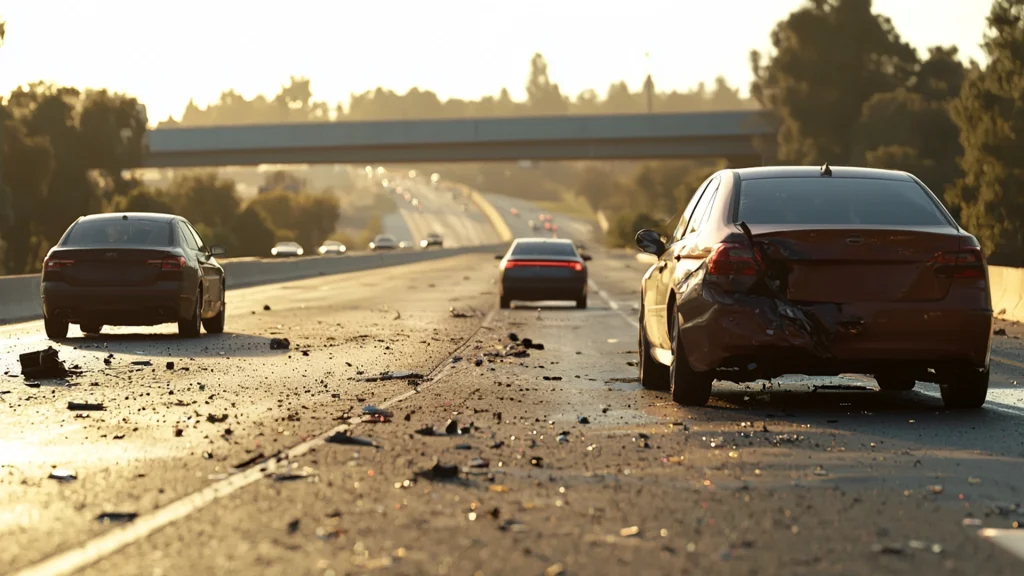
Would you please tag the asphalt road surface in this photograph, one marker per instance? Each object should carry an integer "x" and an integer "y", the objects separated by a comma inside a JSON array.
[
  {"x": 563, "y": 464},
  {"x": 568, "y": 227},
  {"x": 439, "y": 214}
]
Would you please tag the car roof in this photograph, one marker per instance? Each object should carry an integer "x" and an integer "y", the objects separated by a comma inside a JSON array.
[
  {"x": 151, "y": 216},
  {"x": 543, "y": 240},
  {"x": 765, "y": 172},
  {"x": 330, "y": 242},
  {"x": 289, "y": 242}
]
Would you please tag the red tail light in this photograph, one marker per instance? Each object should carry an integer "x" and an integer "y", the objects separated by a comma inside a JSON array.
[
  {"x": 732, "y": 260},
  {"x": 170, "y": 263},
  {"x": 967, "y": 263},
  {"x": 509, "y": 264},
  {"x": 56, "y": 264}
]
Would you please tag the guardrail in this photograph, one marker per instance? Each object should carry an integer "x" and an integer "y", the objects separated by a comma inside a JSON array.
[{"x": 19, "y": 295}]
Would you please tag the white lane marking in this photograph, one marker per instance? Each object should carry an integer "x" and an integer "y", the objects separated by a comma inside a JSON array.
[
  {"x": 612, "y": 304},
  {"x": 97, "y": 548},
  {"x": 1010, "y": 540}
]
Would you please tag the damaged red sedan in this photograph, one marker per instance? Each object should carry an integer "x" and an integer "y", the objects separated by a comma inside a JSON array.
[{"x": 815, "y": 271}]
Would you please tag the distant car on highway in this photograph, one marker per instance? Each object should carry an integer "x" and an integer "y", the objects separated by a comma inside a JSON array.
[
  {"x": 815, "y": 271},
  {"x": 432, "y": 239},
  {"x": 132, "y": 269},
  {"x": 513, "y": 212},
  {"x": 384, "y": 242},
  {"x": 332, "y": 248},
  {"x": 286, "y": 250},
  {"x": 542, "y": 269}
]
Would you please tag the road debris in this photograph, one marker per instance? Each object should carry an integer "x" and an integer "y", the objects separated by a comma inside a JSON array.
[
  {"x": 170, "y": 365},
  {"x": 86, "y": 406},
  {"x": 117, "y": 517},
  {"x": 460, "y": 313},
  {"x": 345, "y": 438},
  {"x": 42, "y": 364},
  {"x": 305, "y": 473},
  {"x": 280, "y": 344},
  {"x": 249, "y": 462},
  {"x": 63, "y": 475},
  {"x": 400, "y": 375},
  {"x": 142, "y": 363},
  {"x": 215, "y": 419},
  {"x": 583, "y": 420},
  {"x": 999, "y": 332},
  {"x": 266, "y": 307},
  {"x": 439, "y": 471},
  {"x": 293, "y": 526},
  {"x": 370, "y": 410}
]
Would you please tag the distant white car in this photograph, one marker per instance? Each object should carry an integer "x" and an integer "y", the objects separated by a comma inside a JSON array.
[
  {"x": 384, "y": 242},
  {"x": 332, "y": 247},
  {"x": 286, "y": 249}
]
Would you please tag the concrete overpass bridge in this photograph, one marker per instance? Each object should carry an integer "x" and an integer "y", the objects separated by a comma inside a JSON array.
[{"x": 743, "y": 137}]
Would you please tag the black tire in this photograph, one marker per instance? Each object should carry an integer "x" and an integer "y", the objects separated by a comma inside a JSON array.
[
  {"x": 653, "y": 375},
  {"x": 215, "y": 325},
  {"x": 967, "y": 391},
  {"x": 582, "y": 302},
  {"x": 56, "y": 328},
  {"x": 190, "y": 327},
  {"x": 689, "y": 388},
  {"x": 895, "y": 382},
  {"x": 90, "y": 328},
  {"x": 504, "y": 302}
]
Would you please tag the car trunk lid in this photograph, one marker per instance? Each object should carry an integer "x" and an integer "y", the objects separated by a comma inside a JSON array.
[{"x": 121, "y": 266}]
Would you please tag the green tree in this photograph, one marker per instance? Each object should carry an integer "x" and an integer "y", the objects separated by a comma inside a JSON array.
[
  {"x": 27, "y": 168},
  {"x": 113, "y": 131},
  {"x": 254, "y": 234},
  {"x": 990, "y": 115},
  {"x": 316, "y": 218},
  {"x": 543, "y": 96},
  {"x": 144, "y": 199},
  {"x": 206, "y": 198},
  {"x": 830, "y": 57}
]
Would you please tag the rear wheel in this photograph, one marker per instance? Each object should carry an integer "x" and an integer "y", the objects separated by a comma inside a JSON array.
[
  {"x": 895, "y": 382},
  {"x": 967, "y": 391},
  {"x": 56, "y": 328},
  {"x": 91, "y": 328},
  {"x": 189, "y": 327},
  {"x": 653, "y": 375},
  {"x": 689, "y": 387},
  {"x": 582, "y": 302}
]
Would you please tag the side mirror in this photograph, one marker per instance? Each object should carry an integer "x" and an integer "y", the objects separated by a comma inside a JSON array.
[
  {"x": 586, "y": 257},
  {"x": 218, "y": 251},
  {"x": 650, "y": 242}
]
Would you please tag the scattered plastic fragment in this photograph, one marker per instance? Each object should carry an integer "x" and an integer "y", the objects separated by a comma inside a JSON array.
[
  {"x": 555, "y": 570},
  {"x": 280, "y": 344},
  {"x": 344, "y": 438},
  {"x": 215, "y": 419},
  {"x": 370, "y": 410},
  {"x": 293, "y": 526},
  {"x": 630, "y": 531},
  {"x": 291, "y": 475},
  {"x": 63, "y": 474},
  {"x": 117, "y": 517},
  {"x": 42, "y": 364},
  {"x": 479, "y": 462},
  {"x": 142, "y": 363},
  {"x": 86, "y": 406},
  {"x": 401, "y": 375},
  {"x": 537, "y": 462},
  {"x": 170, "y": 365},
  {"x": 553, "y": 378},
  {"x": 583, "y": 420}
]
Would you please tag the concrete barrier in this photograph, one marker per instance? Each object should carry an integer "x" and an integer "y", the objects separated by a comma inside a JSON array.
[{"x": 19, "y": 295}]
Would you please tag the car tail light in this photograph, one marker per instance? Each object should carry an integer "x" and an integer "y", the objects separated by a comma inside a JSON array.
[
  {"x": 170, "y": 263},
  {"x": 966, "y": 263},
  {"x": 509, "y": 264},
  {"x": 56, "y": 264},
  {"x": 732, "y": 260}
]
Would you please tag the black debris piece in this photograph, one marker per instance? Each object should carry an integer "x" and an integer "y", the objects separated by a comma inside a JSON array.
[
  {"x": 109, "y": 359},
  {"x": 118, "y": 436},
  {"x": 63, "y": 475},
  {"x": 178, "y": 432},
  {"x": 497, "y": 444},
  {"x": 170, "y": 365},
  {"x": 266, "y": 307},
  {"x": 292, "y": 476},
  {"x": 344, "y": 438},
  {"x": 531, "y": 345},
  {"x": 479, "y": 462},
  {"x": 86, "y": 406},
  {"x": 478, "y": 362},
  {"x": 439, "y": 471},
  {"x": 305, "y": 352},
  {"x": 293, "y": 526},
  {"x": 215, "y": 419},
  {"x": 553, "y": 378},
  {"x": 463, "y": 447},
  {"x": 142, "y": 363},
  {"x": 207, "y": 455},
  {"x": 583, "y": 420},
  {"x": 513, "y": 337},
  {"x": 249, "y": 462},
  {"x": 400, "y": 375},
  {"x": 452, "y": 427},
  {"x": 537, "y": 462},
  {"x": 42, "y": 364},
  {"x": 280, "y": 344},
  {"x": 839, "y": 387},
  {"x": 427, "y": 430},
  {"x": 999, "y": 332},
  {"x": 117, "y": 517},
  {"x": 370, "y": 410}
]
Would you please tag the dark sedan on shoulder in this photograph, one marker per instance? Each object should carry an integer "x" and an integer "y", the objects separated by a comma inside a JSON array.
[
  {"x": 816, "y": 271},
  {"x": 543, "y": 269},
  {"x": 132, "y": 269}
]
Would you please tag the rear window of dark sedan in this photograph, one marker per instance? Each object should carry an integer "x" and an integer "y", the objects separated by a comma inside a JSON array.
[
  {"x": 104, "y": 233},
  {"x": 837, "y": 201},
  {"x": 544, "y": 249}
]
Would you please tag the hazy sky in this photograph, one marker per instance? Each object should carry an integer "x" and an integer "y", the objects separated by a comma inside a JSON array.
[{"x": 167, "y": 51}]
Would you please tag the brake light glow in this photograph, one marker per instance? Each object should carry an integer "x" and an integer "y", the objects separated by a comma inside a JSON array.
[
  {"x": 56, "y": 264},
  {"x": 967, "y": 263},
  {"x": 732, "y": 260},
  {"x": 170, "y": 263},
  {"x": 509, "y": 264}
]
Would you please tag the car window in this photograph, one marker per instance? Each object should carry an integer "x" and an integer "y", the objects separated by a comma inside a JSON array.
[
  {"x": 838, "y": 201},
  {"x": 544, "y": 249},
  {"x": 198, "y": 238},
  {"x": 685, "y": 218},
  {"x": 109, "y": 233},
  {"x": 186, "y": 237},
  {"x": 702, "y": 206}
]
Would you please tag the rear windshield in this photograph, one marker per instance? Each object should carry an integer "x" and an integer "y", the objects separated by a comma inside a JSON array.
[
  {"x": 544, "y": 249},
  {"x": 102, "y": 233},
  {"x": 837, "y": 201}
]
